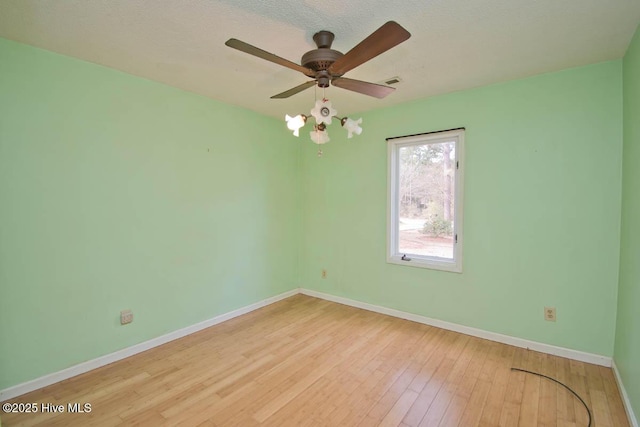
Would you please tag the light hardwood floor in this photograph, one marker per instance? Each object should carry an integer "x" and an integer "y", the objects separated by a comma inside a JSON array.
[{"x": 305, "y": 362}]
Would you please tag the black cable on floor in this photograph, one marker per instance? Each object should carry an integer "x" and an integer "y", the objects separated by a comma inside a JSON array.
[{"x": 558, "y": 382}]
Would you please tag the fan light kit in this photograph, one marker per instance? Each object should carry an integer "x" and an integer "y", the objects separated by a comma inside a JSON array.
[
  {"x": 323, "y": 113},
  {"x": 326, "y": 67}
]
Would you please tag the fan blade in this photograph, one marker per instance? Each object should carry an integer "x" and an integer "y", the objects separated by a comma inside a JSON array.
[
  {"x": 252, "y": 50},
  {"x": 294, "y": 90},
  {"x": 384, "y": 38},
  {"x": 366, "y": 88}
]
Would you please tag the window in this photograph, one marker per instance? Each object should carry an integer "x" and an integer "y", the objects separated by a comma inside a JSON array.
[{"x": 424, "y": 224}]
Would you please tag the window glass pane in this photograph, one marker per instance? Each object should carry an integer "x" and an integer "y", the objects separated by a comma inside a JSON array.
[{"x": 426, "y": 199}]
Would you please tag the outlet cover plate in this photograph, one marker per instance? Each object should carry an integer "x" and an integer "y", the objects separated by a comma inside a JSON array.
[
  {"x": 126, "y": 316},
  {"x": 550, "y": 314}
]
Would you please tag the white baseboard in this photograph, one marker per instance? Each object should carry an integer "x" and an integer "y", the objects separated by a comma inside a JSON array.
[
  {"x": 625, "y": 397},
  {"x": 81, "y": 368},
  {"x": 595, "y": 359}
]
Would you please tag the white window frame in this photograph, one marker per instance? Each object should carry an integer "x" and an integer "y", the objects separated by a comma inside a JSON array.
[{"x": 393, "y": 224}]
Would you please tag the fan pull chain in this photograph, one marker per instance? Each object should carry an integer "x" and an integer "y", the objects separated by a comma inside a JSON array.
[{"x": 324, "y": 99}]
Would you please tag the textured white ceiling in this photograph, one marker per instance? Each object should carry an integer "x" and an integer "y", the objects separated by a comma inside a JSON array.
[{"x": 455, "y": 44}]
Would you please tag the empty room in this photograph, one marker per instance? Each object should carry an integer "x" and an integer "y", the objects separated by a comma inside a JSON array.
[{"x": 294, "y": 213}]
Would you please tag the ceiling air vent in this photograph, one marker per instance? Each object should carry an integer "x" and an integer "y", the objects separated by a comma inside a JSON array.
[{"x": 391, "y": 81}]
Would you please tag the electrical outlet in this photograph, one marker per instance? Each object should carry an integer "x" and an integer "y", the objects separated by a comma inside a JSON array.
[
  {"x": 126, "y": 316},
  {"x": 324, "y": 273},
  {"x": 550, "y": 314}
]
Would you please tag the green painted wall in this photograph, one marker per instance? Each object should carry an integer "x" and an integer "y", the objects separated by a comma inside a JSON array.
[
  {"x": 117, "y": 192},
  {"x": 541, "y": 209},
  {"x": 627, "y": 349}
]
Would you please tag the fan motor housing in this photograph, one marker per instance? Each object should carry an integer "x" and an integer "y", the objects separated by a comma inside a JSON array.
[{"x": 320, "y": 59}]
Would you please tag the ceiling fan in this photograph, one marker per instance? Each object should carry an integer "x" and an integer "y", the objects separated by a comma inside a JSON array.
[{"x": 327, "y": 66}]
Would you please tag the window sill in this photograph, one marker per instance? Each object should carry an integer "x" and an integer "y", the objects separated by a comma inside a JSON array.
[{"x": 424, "y": 262}]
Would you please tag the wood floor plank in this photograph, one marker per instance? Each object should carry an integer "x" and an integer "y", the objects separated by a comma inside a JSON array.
[
  {"x": 578, "y": 383},
  {"x": 464, "y": 390},
  {"x": 397, "y": 413},
  {"x": 600, "y": 405},
  {"x": 531, "y": 392},
  {"x": 447, "y": 393},
  {"x": 616, "y": 407},
  {"x": 429, "y": 391},
  {"x": 475, "y": 406},
  {"x": 313, "y": 376},
  {"x": 565, "y": 403},
  {"x": 309, "y": 362},
  {"x": 547, "y": 402}
]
